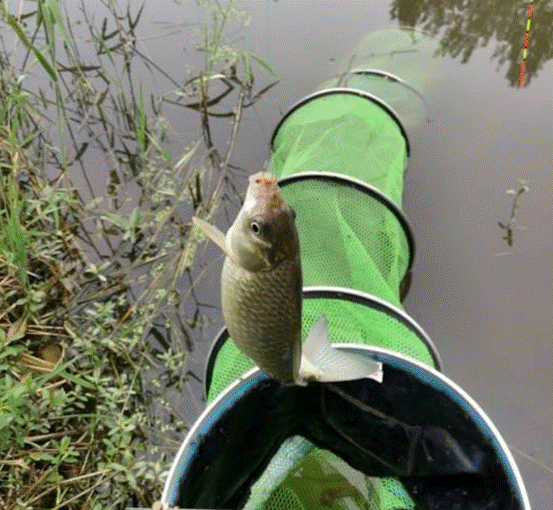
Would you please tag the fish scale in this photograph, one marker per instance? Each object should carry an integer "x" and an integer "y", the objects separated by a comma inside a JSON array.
[{"x": 262, "y": 311}]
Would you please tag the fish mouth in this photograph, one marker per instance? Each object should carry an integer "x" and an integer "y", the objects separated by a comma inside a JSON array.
[
  {"x": 262, "y": 178},
  {"x": 263, "y": 189}
]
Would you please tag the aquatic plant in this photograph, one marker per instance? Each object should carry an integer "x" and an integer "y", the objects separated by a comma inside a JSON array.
[{"x": 96, "y": 284}]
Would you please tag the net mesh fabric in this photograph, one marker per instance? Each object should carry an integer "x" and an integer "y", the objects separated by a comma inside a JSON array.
[
  {"x": 348, "y": 239},
  {"x": 403, "y": 53},
  {"x": 303, "y": 477},
  {"x": 345, "y": 134}
]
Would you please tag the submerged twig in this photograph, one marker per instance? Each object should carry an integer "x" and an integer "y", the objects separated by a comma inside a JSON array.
[{"x": 509, "y": 225}]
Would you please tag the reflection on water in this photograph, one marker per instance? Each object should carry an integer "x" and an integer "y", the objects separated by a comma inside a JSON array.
[{"x": 463, "y": 27}]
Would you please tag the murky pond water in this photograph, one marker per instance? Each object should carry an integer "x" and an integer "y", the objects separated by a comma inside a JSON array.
[{"x": 486, "y": 301}]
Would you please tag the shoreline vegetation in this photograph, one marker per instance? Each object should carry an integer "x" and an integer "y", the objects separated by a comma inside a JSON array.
[{"x": 93, "y": 338}]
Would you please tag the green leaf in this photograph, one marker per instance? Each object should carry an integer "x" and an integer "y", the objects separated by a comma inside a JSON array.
[
  {"x": 262, "y": 63},
  {"x": 12, "y": 21},
  {"x": 117, "y": 219}
]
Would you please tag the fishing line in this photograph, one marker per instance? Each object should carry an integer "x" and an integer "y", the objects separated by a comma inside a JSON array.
[{"x": 526, "y": 44}]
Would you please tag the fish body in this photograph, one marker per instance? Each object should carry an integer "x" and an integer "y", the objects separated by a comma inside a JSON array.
[
  {"x": 261, "y": 283},
  {"x": 261, "y": 293},
  {"x": 262, "y": 312}
]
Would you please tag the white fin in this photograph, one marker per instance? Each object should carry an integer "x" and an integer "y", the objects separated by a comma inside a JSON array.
[
  {"x": 322, "y": 362},
  {"x": 212, "y": 233}
]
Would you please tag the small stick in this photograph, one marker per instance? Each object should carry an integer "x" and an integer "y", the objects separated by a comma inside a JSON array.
[{"x": 508, "y": 227}]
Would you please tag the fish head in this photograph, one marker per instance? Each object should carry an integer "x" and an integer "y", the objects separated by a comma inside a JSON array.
[{"x": 264, "y": 232}]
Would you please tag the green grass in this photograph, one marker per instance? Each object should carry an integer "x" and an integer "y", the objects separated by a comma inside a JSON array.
[{"x": 93, "y": 340}]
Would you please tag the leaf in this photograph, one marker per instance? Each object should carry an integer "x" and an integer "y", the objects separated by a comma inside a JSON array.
[
  {"x": 116, "y": 219},
  {"x": 185, "y": 158},
  {"x": 12, "y": 21},
  {"x": 17, "y": 330},
  {"x": 93, "y": 204},
  {"x": 61, "y": 372},
  {"x": 141, "y": 127},
  {"x": 263, "y": 64},
  {"x": 162, "y": 152}
]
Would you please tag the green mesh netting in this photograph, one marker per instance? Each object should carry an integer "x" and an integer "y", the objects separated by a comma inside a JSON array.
[
  {"x": 369, "y": 250},
  {"x": 349, "y": 238},
  {"x": 398, "y": 66},
  {"x": 311, "y": 478},
  {"x": 343, "y": 133}
]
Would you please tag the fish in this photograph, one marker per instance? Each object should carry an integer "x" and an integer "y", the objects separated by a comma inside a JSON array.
[{"x": 261, "y": 293}]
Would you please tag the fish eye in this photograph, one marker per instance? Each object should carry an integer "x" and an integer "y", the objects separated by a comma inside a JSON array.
[
  {"x": 256, "y": 227},
  {"x": 259, "y": 226}
]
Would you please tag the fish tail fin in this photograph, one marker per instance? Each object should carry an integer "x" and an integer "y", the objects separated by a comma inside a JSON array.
[{"x": 322, "y": 362}]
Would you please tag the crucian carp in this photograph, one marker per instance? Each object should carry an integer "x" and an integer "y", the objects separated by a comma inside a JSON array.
[{"x": 261, "y": 293}]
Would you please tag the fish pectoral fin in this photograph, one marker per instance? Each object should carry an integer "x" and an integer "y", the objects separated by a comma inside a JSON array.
[
  {"x": 212, "y": 233},
  {"x": 322, "y": 362}
]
